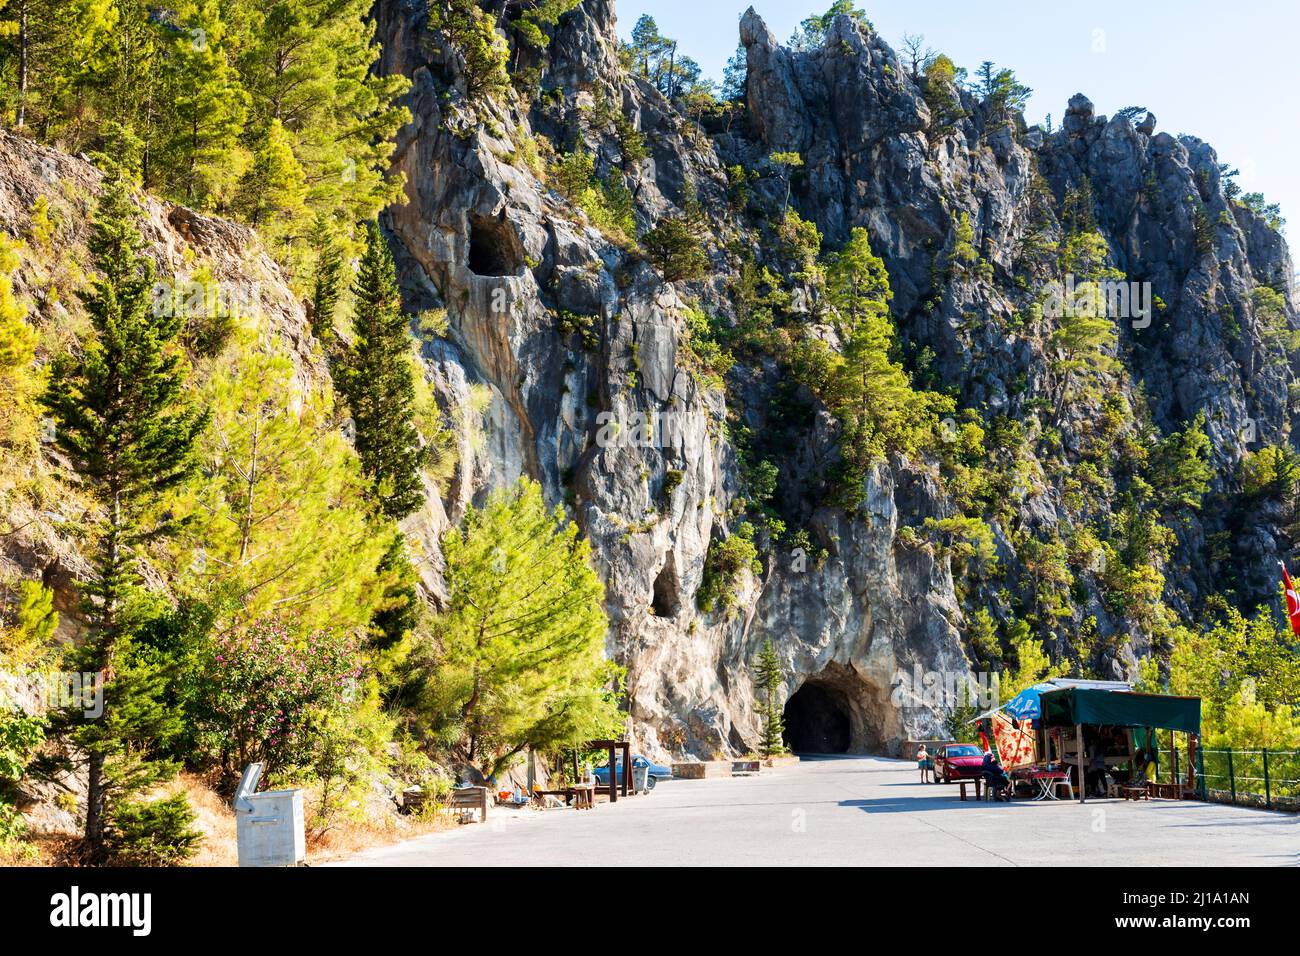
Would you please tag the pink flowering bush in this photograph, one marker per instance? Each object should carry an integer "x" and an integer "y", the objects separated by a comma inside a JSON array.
[{"x": 265, "y": 693}]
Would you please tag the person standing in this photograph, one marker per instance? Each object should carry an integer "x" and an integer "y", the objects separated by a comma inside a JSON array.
[{"x": 923, "y": 761}]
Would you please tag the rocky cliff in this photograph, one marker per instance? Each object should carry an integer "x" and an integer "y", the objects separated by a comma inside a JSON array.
[
  {"x": 486, "y": 236},
  {"x": 568, "y": 358}
]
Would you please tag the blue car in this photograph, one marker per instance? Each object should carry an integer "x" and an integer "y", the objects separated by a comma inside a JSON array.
[{"x": 656, "y": 772}]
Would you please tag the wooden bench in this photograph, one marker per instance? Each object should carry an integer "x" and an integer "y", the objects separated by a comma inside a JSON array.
[
  {"x": 975, "y": 781},
  {"x": 583, "y": 797},
  {"x": 1130, "y": 792},
  {"x": 470, "y": 798}
]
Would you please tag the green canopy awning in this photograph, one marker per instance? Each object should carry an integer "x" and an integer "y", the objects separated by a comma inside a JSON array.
[{"x": 1081, "y": 705}]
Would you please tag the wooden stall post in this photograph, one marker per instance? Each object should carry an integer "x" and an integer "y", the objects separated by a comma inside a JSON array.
[
  {"x": 613, "y": 768},
  {"x": 1078, "y": 743}
]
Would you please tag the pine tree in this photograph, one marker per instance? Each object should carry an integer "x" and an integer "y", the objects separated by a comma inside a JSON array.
[
  {"x": 674, "y": 246},
  {"x": 200, "y": 155},
  {"x": 46, "y": 49},
  {"x": 325, "y": 282},
  {"x": 279, "y": 519},
  {"x": 522, "y": 639},
  {"x": 273, "y": 193},
  {"x": 768, "y": 677},
  {"x": 129, "y": 429},
  {"x": 863, "y": 385},
  {"x": 786, "y": 163},
  {"x": 484, "y": 52},
  {"x": 126, "y": 79},
  {"x": 941, "y": 95},
  {"x": 308, "y": 65},
  {"x": 377, "y": 379},
  {"x": 398, "y": 612},
  {"x": 735, "y": 74},
  {"x": 647, "y": 46}
]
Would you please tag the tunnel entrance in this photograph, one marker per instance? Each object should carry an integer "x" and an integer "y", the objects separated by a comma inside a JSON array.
[
  {"x": 840, "y": 709},
  {"x": 817, "y": 721}
]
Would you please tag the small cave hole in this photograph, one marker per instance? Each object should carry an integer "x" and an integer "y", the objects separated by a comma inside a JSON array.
[
  {"x": 494, "y": 247},
  {"x": 667, "y": 600}
]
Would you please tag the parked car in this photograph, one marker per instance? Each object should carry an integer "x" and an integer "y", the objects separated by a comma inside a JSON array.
[
  {"x": 958, "y": 762},
  {"x": 656, "y": 772}
]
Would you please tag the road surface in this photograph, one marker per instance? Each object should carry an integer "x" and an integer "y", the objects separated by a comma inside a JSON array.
[{"x": 854, "y": 811}]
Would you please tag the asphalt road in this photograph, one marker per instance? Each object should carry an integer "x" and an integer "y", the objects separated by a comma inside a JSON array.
[{"x": 854, "y": 811}]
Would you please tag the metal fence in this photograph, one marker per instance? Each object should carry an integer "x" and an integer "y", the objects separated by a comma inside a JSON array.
[
  {"x": 1262, "y": 778},
  {"x": 1244, "y": 776}
]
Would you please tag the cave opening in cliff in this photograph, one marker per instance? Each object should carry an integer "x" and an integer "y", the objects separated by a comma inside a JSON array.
[
  {"x": 667, "y": 599},
  {"x": 494, "y": 247},
  {"x": 839, "y": 710},
  {"x": 817, "y": 720}
]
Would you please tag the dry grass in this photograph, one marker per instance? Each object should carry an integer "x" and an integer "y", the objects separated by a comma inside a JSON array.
[
  {"x": 342, "y": 836},
  {"x": 213, "y": 817},
  {"x": 345, "y": 836},
  {"x": 43, "y": 849}
]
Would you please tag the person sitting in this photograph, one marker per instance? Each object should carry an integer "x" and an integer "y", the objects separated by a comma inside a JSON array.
[
  {"x": 1096, "y": 777},
  {"x": 995, "y": 778}
]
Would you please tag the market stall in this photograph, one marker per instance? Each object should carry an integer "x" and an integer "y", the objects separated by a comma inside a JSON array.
[{"x": 1110, "y": 727}]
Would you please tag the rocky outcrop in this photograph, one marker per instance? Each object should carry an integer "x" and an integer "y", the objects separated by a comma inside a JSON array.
[
  {"x": 866, "y": 613},
  {"x": 878, "y": 602},
  {"x": 557, "y": 330},
  {"x": 484, "y": 236}
]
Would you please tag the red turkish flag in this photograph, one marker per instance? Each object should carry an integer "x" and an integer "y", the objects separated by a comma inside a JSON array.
[{"x": 1292, "y": 601}]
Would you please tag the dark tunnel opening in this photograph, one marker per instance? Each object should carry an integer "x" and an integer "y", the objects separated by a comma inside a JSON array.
[{"x": 817, "y": 721}]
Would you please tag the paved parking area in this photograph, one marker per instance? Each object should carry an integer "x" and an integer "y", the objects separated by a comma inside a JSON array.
[{"x": 855, "y": 811}]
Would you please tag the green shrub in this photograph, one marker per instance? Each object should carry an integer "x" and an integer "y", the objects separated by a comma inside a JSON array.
[
  {"x": 672, "y": 481},
  {"x": 160, "y": 833},
  {"x": 608, "y": 204},
  {"x": 702, "y": 349},
  {"x": 569, "y": 324},
  {"x": 675, "y": 247},
  {"x": 726, "y": 563}
]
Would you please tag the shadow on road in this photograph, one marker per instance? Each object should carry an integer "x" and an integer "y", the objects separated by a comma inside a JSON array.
[{"x": 942, "y": 802}]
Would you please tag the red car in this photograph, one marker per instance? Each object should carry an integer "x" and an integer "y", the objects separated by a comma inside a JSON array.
[{"x": 958, "y": 762}]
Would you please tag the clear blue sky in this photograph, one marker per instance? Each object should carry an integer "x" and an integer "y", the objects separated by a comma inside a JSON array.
[{"x": 1225, "y": 72}]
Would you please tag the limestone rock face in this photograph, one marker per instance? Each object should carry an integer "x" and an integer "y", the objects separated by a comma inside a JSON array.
[
  {"x": 485, "y": 236},
  {"x": 568, "y": 359}
]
